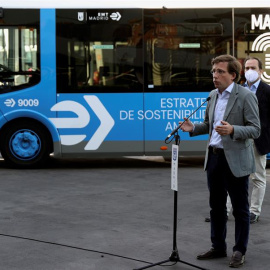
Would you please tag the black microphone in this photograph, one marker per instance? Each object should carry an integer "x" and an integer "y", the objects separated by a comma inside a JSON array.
[{"x": 176, "y": 129}]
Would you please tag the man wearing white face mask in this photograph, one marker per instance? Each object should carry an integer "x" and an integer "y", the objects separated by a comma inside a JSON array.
[{"x": 253, "y": 71}]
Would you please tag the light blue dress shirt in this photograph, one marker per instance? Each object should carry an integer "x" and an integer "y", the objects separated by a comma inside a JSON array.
[
  {"x": 253, "y": 87},
  {"x": 222, "y": 100}
]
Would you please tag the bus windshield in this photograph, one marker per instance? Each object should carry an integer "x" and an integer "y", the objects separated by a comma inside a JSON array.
[{"x": 19, "y": 50}]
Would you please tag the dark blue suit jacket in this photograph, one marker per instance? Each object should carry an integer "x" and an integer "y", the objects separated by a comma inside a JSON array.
[{"x": 263, "y": 95}]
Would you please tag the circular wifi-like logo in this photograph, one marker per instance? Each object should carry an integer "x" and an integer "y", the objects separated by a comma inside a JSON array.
[{"x": 262, "y": 43}]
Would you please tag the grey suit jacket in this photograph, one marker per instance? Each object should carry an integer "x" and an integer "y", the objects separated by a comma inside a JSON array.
[{"x": 242, "y": 112}]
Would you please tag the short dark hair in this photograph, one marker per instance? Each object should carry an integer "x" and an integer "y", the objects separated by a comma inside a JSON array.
[
  {"x": 255, "y": 58},
  {"x": 234, "y": 66}
]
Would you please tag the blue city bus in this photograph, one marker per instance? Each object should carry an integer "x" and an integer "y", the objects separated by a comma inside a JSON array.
[{"x": 96, "y": 79}]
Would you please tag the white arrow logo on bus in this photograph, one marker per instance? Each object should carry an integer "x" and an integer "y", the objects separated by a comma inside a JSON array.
[
  {"x": 106, "y": 123},
  {"x": 83, "y": 119},
  {"x": 116, "y": 16},
  {"x": 10, "y": 102}
]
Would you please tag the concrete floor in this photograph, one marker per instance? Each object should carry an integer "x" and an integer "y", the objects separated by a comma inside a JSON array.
[{"x": 112, "y": 214}]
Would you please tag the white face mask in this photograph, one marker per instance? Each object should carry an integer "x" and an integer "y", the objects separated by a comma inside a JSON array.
[{"x": 251, "y": 75}]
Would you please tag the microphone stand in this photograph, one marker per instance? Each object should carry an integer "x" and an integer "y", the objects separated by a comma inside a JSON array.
[
  {"x": 174, "y": 132},
  {"x": 174, "y": 257}
]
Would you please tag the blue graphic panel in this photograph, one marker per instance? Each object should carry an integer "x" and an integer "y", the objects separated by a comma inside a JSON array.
[
  {"x": 163, "y": 111},
  {"x": 99, "y": 111},
  {"x": 125, "y": 117}
]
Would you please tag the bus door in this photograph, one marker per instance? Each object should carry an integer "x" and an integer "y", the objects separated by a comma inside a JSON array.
[
  {"x": 99, "y": 81},
  {"x": 179, "y": 46}
]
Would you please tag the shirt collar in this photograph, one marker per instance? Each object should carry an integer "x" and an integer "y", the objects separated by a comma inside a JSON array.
[
  {"x": 256, "y": 84},
  {"x": 228, "y": 89}
]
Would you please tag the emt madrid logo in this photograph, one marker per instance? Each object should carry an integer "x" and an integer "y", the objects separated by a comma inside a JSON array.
[{"x": 99, "y": 16}]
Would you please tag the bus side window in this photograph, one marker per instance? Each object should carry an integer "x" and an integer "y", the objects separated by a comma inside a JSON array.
[{"x": 100, "y": 54}]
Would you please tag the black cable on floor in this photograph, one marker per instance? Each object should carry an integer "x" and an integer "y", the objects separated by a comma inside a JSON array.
[{"x": 73, "y": 247}]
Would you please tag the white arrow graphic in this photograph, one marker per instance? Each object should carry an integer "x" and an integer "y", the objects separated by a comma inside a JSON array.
[
  {"x": 71, "y": 106},
  {"x": 116, "y": 16},
  {"x": 106, "y": 123},
  {"x": 80, "y": 122},
  {"x": 10, "y": 102},
  {"x": 71, "y": 139}
]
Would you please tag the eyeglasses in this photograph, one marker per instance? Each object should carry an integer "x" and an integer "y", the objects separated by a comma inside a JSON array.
[{"x": 218, "y": 71}]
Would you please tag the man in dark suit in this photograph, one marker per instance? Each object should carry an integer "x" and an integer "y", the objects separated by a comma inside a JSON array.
[
  {"x": 232, "y": 121},
  {"x": 253, "y": 71}
]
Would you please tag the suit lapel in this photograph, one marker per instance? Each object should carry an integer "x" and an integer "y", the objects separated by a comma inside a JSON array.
[
  {"x": 259, "y": 91},
  {"x": 212, "y": 110},
  {"x": 233, "y": 97}
]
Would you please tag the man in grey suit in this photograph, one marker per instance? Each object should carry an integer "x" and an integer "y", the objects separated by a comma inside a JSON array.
[{"x": 232, "y": 121}]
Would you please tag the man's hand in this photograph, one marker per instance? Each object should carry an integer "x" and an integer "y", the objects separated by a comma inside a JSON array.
[
  {"x": 224, "y": 129},
  {"x": 187, "y": 125}
]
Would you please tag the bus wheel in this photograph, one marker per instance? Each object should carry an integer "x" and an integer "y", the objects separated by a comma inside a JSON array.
[{"x": 25, "y": 145}]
